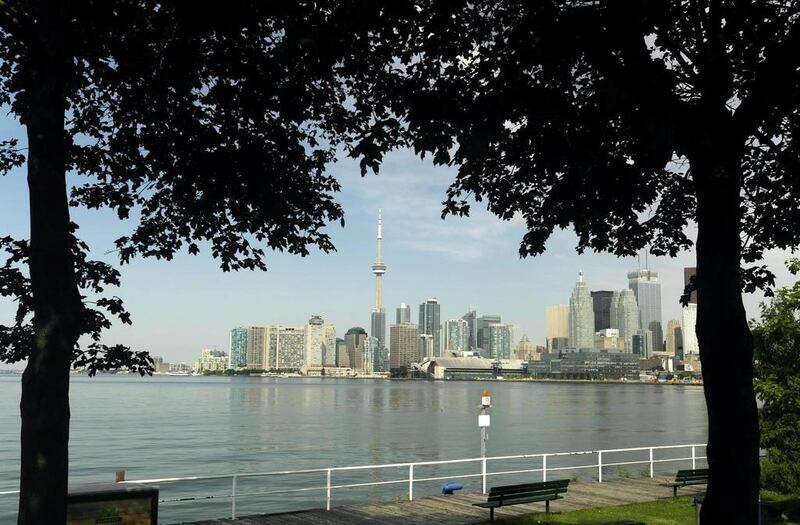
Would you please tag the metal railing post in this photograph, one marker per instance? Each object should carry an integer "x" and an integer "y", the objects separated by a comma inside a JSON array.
[
  {"x": 233, "y": 497},
  {"x": 651, "y": 462},
  {"x": 693, "y": 459},
  {"x": 544, "y": 467},
  {"x": 599, "y": 466},
  {"x": 411, "y": 482},
  {"x": 328, "y": 490},
  {"x": 483, "y": 475}
]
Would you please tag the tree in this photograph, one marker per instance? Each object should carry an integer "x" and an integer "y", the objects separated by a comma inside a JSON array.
[
  {"x": 204, "y": 127},
  {"x": 629, "y": 121},
  {"x": 776, "y": 339}
]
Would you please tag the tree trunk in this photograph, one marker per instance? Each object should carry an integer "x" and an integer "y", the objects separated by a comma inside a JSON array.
[
  {"x": 726, "y": 347},
  {"x": 57, "y": 305}
]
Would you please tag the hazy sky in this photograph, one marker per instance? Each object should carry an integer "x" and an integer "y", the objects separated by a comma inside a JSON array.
[{"x": 178, "y": 307}]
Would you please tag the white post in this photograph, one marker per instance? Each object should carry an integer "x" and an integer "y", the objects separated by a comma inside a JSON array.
[
  {"x": 651, "y": 462},
  {"x": 411, "y": 482},
  {"x": 328, "y": 503},
  {"x": 544, "y": 467},
  {"x": 233, "y": 498},
  {"x": 483, "y": 475},
  {"x": 599, "y": 466},
  {"x": 693, "y": 459}
]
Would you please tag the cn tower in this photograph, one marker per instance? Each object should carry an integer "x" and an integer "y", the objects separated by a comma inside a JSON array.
[
  {"x": 379, "y": 268},
  {"x": 378, "y": 319}
]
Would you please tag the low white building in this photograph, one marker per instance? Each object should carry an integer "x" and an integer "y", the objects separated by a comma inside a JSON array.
[{"x": 211, "y": 361}]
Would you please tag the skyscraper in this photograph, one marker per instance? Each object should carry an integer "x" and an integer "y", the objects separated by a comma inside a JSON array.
[
  {"x": 500, "y": 337},
  {"x": 690, "y": 344},
  {"x": 256, "y": 349},
  {"x": 237, "y": 348},
  {"x": 526, "y": 350},
  {"x": 320, "y": 343},
  {"x": 557, "y": 326},
  {"x": 647, "y": 289},
  {"x": 354, "y": 339},
  {"x": 370, "y": 345},
  {"x": 430, "y": 323},
  {"x": 403, "y": 345},
  {"x": 471, "y": 317},
  {"x": 425, "y": 346},
  {"x": 624, "y": 314},
  {"x": 378, "y": 318},
  {"x": 456, "y": 335},
  {"x": 482, "y": 332},
  {"x": 672, "y": 343},
  {"x": 581, "y": 316},
  {"x": 601, "y": 304},
  {"x": 403, "y": 314}
]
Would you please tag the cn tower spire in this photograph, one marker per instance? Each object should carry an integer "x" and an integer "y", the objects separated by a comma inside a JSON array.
[{"x": 379, "y": 268}]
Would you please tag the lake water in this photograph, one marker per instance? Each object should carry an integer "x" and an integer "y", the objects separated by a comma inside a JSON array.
[{"x": 181, "y": 426}]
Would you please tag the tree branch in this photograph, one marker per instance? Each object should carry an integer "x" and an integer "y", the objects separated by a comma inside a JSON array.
[{"x": 15, "y": 23}]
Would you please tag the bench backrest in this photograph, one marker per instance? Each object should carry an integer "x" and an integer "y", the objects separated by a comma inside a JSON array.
[
  {"x": 527, "y": 490},
  {"x": 691, "y": 475}
]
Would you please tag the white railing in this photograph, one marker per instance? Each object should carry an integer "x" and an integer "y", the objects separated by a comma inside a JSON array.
[{"x": 546, "y": 462}]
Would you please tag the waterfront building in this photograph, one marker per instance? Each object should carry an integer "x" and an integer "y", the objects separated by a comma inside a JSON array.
[
  {"x": 237, "y": 348},
  {"x": 500, "y": 339},
  {"x": 690, "y": 345},
  {"x": 601, "y": 305},
  {"x": 472, "y": 368},
  {"x": 403, "y": 314},
  {"x": 211, "y": 360},
  {"x": 471, "y": 317},
  {"x": 378, "y": 318},
  {"x": 646, "y": 343},
  {"x": 581, "y": 316},
  {"x": 370, "y": 355},
  {"x": 456, "y": 334},
  {"x": 256, "y": 349},
  {"x": 320, "y": 343},
  {"x": 161, "y": 366},
  {"x": 289, "y": 345},
  {"x": 426, "y": 346},
  {"x": 608, "y": 340},
  {"x": 342, "y": 359},
  {"x": 526, "y": 350},
  {"x": 586, "y": 365},
  {"x": 688, "y": 273},
  {"x": 403, "y": 345},
  {"x": 557, "y": 327},
  {"x": 672, "y": 344},
  {"x": 354, "y": 339},
  {"x": 647, "y": 289},
  {"x": 482, "y": 332},
  {"x": 624, "y": 314},
  {"x": 638, "y": 345},
  {"x": 430, "y": 322}
]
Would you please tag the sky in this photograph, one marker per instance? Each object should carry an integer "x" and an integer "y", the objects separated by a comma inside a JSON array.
[{"x": 181, "y": 306}]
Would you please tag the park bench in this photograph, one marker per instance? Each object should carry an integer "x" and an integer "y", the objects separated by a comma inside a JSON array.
[
  {"x": 688, "y": 477},
  {"x": 527, "y": 493}
]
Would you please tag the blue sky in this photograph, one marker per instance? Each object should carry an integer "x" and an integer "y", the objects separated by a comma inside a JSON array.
[{"x": 178, "y": 307}]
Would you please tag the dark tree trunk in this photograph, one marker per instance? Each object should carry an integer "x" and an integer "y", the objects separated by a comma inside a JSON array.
[
  {"x": 57, "y": 305},
  {"x": 726, "y": 346}
]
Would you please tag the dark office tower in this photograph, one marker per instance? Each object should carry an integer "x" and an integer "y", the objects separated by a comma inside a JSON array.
[
  {"x": 601, "y": 303},
  {"x": 688, "y": 273},
  {"x": 471, "y": 317},
  {"x": 483, "y": 337},
  {"x": 430, "y": 323},
  {"x": 354, "y": 339},
  {"x": 403, "y": 314}
]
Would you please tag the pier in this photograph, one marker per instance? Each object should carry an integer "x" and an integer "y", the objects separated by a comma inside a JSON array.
[{"x": 458, "y": 509}]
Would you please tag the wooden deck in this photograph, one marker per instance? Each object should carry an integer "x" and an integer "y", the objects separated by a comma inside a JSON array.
[{"x": 458, "y": 510}]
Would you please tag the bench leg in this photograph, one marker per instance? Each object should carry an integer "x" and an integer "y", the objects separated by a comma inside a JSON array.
[
  {"x": 547, "y": 505},
  {"x": 674, "y": 492},
  {"x": 491, "y": 513}
]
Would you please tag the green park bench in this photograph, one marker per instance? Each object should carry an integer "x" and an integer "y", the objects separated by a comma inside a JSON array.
[
  {"x": 688, "y": 477},
  {"x": 527, "y": 493}
]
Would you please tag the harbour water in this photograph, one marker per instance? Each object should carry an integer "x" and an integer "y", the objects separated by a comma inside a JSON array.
[{"x": 184, "y": 426}]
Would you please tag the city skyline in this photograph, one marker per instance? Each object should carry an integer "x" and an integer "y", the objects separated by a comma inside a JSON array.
[{"x": 187, "y": 304}]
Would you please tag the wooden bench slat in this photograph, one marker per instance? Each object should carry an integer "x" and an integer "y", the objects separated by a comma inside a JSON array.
[{"x": 546, "y": 491}]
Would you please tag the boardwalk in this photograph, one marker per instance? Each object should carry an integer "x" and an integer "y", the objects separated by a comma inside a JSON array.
[{"x": 458, "y": 510}]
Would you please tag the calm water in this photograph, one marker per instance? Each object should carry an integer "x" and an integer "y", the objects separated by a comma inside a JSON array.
[{"x": 174, "y": 426}]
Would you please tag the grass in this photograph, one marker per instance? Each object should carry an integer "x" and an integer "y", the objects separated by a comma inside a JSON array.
[{"x": 667, "y": 511}]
